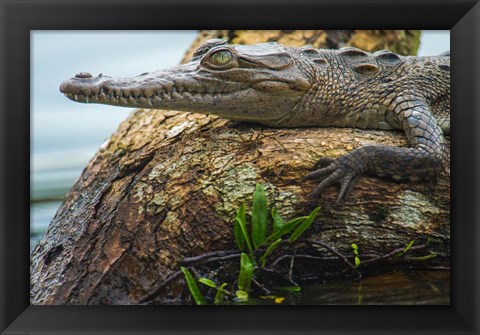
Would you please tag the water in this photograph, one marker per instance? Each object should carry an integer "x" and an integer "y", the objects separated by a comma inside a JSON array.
[
  {"x": 396, "y": 288},
  {"x": 41, "y": 213}
]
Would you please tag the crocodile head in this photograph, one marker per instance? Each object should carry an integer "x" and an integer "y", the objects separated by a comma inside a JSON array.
[{"x": 259, "y": 83}]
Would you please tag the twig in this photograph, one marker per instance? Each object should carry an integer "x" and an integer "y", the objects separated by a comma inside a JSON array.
[
  {"x": 304, "y": 256},
  {"x": 392, "y": 253},
  {"x": 335, "y": 252},
  {"x": 290, "y": 271},
  {"x": 219, "y": 259},
  {"x": 208, "y": 254},
  {"x": 160, "y": 287},
  {"x": 278, "y": 260},
  {"x": 260, "y": 286},
  {"x": 195, "y": 273}
]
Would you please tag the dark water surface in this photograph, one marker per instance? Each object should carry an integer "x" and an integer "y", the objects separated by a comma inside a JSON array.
[
  {"x": 396, "y": 288},
  {"x": 41, "y": 213}
]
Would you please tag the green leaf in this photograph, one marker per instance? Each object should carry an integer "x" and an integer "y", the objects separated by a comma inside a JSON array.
[
  {"x": 277, "y": 221},
  {"x": 287, "y": 227},
  {"x": 246, "y": 272},
  {"x": 269, "y": 250},
  {"x": 241, "y": 295},
  {"x": 404, "y": 251},
  {"x": 409, "y": 245},
  {"x": 239, "y": 221},
  {"x": 290, "y": 288},
  {"x": 208, "y": 282},
  {"x": 242, "y": 222},
  {"x": 424, "y": 258},
  {"x": 192, "y": 286},
  {"x": 304, "y": 225},
  {"x": 220, "y": 296},
  {"x": 355, "y": 251},
  {"x": 355, "y": 248},
  {"x": 259, "y": 216}
]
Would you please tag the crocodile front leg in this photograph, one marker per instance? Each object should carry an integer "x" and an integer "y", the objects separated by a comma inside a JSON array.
[{"x": 424, "y": 160}]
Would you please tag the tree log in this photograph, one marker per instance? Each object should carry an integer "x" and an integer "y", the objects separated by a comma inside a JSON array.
[{"x": 166, "y": 186}]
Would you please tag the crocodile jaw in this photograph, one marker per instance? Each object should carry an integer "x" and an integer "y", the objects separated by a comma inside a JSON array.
[
  {"x": 186, "y": 88},
  {"x": 156, "y": 90}
]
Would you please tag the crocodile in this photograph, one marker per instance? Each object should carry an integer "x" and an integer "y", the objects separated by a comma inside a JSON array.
[{"x": 280, "y": 86}]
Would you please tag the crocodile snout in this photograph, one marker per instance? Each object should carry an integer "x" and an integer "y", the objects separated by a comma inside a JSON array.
[
  {"x": 83, "y": 87},
  {"x": 82, "y": 83}
]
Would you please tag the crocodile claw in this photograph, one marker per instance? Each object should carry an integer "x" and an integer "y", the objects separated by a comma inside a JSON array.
[{"x": 332, "y": 171}]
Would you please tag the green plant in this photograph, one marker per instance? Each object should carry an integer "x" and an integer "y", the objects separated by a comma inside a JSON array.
[
  {"x": 193, "y": 287},
  {"x": 244, "y": 277},
  {"x": 257, "y": 239},
  {"x": 405, "y": 250},
  {"x": 357, "y": 257},
  {"x": 259, "y": 227}
]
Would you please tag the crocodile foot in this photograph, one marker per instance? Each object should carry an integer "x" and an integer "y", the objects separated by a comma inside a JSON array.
[{"x": 342, "y": 170}]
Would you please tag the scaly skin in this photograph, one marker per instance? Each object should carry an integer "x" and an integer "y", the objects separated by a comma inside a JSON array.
[{"x": 299, "y": 87}]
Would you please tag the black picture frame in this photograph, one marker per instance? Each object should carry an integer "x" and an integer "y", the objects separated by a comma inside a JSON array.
[{"x": 19, "y": 17}]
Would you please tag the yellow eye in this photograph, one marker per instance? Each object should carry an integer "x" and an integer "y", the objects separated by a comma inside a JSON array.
[{"x": 221, "y": 57}]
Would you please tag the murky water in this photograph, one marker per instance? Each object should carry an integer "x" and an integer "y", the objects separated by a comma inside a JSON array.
[
  {"x": 41, "y": 213},
  {"x": 396, "y": 288}
]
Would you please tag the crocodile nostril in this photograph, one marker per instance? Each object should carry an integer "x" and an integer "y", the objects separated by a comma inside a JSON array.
[{"x": 83, "y": 75}]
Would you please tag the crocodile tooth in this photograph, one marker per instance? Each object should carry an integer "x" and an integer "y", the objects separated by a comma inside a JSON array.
[
  {"x": 123, "y": 100},
  {"x": 102, "y": 97},
  {"x": 148, "y": 92},
  {"x": 76, "y": 97},
  {"x": 149, "y": 101},
  {"x": 132, "y": 100},
  {"x": 156, "y": 99},
  {"x": 188, "y": 96},
  {"x": 86, "y": 99},
  {"x": 166, "y": 97},
  {"x": 175, "y": 95},
  {"x": 117, "y": 92}
]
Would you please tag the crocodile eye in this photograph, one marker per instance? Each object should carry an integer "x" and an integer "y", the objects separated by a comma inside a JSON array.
[{"x": 221, "y": 57}]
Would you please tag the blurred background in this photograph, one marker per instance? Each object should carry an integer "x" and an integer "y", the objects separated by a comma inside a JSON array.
[{"x": 65, "y": 135}]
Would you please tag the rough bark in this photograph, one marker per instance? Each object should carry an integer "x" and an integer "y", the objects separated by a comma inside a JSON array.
[{"x": 167, "y": 184}]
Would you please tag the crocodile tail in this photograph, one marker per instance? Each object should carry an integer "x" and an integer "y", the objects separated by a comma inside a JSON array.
[{"x": 445, "y": 54}]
